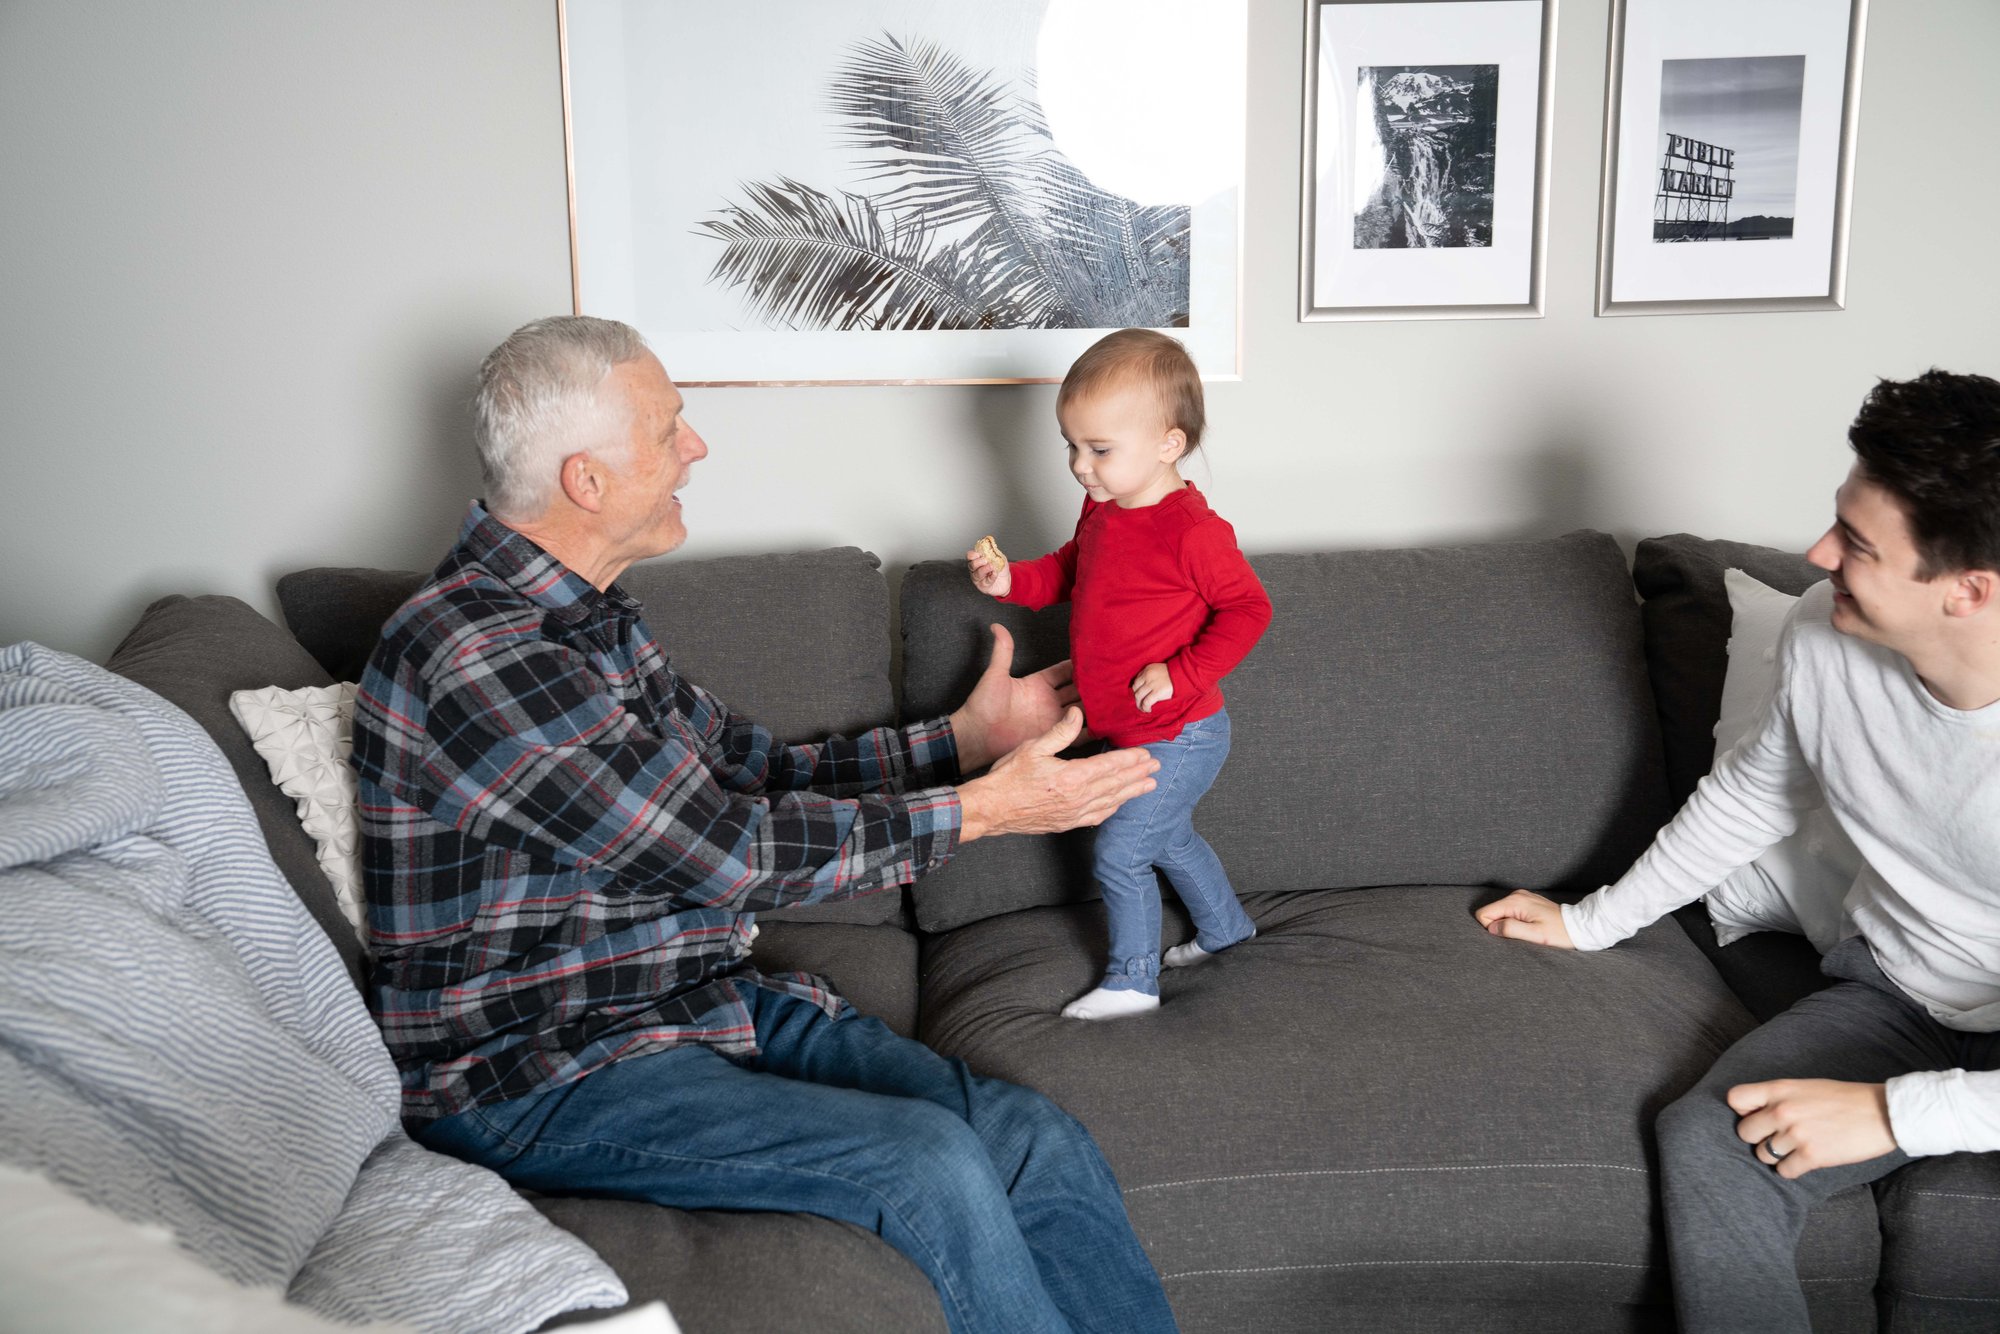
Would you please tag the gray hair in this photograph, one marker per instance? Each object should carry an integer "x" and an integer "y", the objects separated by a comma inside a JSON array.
[{"x": 539, "y": 402}]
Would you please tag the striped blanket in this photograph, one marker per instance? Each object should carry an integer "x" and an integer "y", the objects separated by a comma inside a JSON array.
[{"x": 179, "y": 1043}]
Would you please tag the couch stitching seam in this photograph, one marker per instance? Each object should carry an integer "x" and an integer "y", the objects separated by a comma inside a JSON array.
[
  {"x": 1364, "y": 1264},
  {"x": 1374, "y": 1171},
  {"x": 1956, "y": 1195}
]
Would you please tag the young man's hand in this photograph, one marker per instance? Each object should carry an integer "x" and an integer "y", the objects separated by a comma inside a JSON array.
[
  {"x": 1526, "y": 915},
  {"x": 1151, "y": 686},
  {"x": 1801, "y": 1125},
  {"x": 990, "y": 577}
]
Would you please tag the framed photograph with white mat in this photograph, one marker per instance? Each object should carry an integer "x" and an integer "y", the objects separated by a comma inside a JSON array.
[
  {"x": 1729, "y": 132},
  {"x": 905, "y": 191},
  {"x": 1425, "y": 158}
]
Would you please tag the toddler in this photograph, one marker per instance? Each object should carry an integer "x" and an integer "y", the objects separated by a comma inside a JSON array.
[{"x": 1163, "y": 606}]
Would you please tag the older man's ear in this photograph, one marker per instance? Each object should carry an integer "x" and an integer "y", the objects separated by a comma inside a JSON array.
[{"x": 583, "y": 482}]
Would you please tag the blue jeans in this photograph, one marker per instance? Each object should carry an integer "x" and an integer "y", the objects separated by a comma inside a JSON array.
[
  {"x": 990, "y": 1188},
  {"x": 1156, "y": 829}
]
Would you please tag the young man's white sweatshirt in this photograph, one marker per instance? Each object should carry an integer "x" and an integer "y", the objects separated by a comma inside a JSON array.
[{"x": 1916, "y": 785}]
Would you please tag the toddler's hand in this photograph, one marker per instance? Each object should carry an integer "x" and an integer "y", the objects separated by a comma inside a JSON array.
[
  {"x": 990, "y": 574},
  {"x": 1151, "y": 686}
]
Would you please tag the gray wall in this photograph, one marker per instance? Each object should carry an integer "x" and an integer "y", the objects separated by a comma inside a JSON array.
[{"x": 251, "y": 252}]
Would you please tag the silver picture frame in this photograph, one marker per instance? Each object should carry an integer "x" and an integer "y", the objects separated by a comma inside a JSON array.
[
  {"x": 1406, "y": 34},
  {"x": 1682, "y": 282}
]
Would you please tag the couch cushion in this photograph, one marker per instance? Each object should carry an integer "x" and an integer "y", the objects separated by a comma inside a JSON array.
[
  {"x": 337, "y": 612},
  {"x": 1687, "y": 621},
  {"x": 1940, "y": 1217},
  {"x": 874, "y": 967},
  {"x": 1371, "y": 1101},
  {"x": 194, "y": 652},
  {"x": 1458, "y": 715},
  {"x": 1770, "y": 971},
  {"x": 799, "y": 642},
  {"x": 1686, "y": 615},
  {"x": 730, "y": 1273}
]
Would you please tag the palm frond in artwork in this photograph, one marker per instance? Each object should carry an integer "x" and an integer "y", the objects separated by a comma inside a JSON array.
[
  {"x": 984, "y": 224},
  {"x": 953, "y": 135},
  {"x": 810, "y": 260},
  {"x": 956, "y": 142},
  {"x": 1135, "y": 255}
]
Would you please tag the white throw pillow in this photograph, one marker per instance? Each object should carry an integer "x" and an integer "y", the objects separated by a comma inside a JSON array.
[
  {"x": 305, "y": 736},
  {"x": 1800, "y": 883}
]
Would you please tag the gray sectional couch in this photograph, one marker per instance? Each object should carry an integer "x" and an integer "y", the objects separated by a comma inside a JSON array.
[{"x": 1372, "y": 1118}]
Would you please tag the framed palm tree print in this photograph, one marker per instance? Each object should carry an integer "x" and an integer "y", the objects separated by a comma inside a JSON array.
[{"x": 905, "y": 191}]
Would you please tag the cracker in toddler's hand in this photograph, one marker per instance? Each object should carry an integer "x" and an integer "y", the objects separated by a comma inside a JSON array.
[{"x": 990, "y": 549}]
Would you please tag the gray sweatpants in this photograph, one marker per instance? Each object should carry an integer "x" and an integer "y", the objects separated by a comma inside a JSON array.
[{"x": 1733, "y": 1224}]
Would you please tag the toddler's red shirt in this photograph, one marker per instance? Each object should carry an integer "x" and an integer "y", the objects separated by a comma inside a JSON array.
[{"x": 1163, "y": 583}]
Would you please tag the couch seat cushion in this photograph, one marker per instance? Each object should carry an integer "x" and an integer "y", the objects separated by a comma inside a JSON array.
[
  {"x": 729, "y": 1273},
  {"x": 1374, "y": 1099},
  {"x": 1940, "y": 1221}
]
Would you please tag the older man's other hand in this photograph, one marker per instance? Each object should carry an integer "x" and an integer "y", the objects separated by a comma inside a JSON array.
[
  {"x": 1030, "y": 791},
  {"x": 1004, "y": 711},
  {"x": 1526, "y": 915}
]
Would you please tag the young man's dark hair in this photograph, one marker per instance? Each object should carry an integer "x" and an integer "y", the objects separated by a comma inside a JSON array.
[{"x": 1934, "y": 444}]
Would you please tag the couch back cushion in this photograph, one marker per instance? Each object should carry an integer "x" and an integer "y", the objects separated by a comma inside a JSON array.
[
  {"x": 196, "y": 652},
  {"x": 799, "y": 642},
  {"x": 1687, "y": 620},
  {"x": 1447, "y": 715}
]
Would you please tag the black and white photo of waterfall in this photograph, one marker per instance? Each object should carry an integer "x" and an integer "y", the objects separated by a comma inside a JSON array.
[{"x": 1424, "y": 154}]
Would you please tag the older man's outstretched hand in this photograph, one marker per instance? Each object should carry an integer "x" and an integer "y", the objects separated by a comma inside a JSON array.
[
  {"x": 1030, "y": 791},
  {"x": 1005, "y": 711}
]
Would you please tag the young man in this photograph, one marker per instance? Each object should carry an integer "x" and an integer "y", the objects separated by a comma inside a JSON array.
[{"x": 1887, "y": 709}]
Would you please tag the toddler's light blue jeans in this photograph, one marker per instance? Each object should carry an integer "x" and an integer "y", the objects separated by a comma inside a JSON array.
[
  {"x": 997, "y": 1194},
  {"x": 1156, "y": 829}
]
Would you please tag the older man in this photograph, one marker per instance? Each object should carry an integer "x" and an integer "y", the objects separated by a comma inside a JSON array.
[
  {"x": 1887, "y": 711},
  {"x": 564, "y": 842}
]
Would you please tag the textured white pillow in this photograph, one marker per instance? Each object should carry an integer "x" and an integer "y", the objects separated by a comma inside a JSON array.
[
  {"x": 1799, "y": 883},
  {"x": 305, "y": 736}
]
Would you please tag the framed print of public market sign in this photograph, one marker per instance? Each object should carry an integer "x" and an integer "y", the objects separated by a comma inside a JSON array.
[{"x": 1728, "y": 155}]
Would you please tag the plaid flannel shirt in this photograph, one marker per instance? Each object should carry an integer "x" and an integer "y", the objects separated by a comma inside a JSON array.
[{"x": 563, "y": 841}]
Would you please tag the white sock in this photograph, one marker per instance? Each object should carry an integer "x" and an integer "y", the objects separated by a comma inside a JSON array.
[
  {"x": 1180, "y": 956},
  {"x": 1103, "y": 1004}
]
